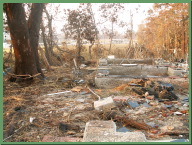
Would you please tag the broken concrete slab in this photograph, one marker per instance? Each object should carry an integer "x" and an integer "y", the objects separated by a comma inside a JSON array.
[
  {"x": 105, "y": 131},
  {"x": 96, "y": 128},
  {"x": 104, "y": 104},
  {"x": 137, "y": 70},
  {"x": 175, "y": 71}
]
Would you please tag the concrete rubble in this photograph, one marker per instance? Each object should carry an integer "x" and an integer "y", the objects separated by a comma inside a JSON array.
[
  {"x": 151, "y": 110},
  {"x": 111, "y": 72}
]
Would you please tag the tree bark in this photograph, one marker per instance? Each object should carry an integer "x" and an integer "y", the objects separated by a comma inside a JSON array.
[
  {"x": 34, "y": 22},
  {"x": 25, "y": 63}
]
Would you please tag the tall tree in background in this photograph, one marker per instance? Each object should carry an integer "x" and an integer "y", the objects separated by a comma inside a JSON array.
[
  {"x": 166, "y": 30},
  {"x": 80, "y": 26},
  {"x": 110, "y": 13},
  {"x": 25, "y": 36}
]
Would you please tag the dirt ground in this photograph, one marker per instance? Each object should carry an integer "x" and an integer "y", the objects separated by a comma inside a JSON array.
[{"x": 32, "y": 111}]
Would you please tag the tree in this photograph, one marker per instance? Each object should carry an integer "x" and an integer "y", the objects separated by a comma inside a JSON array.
[
  {"x": 24, "y": 35},
  {"x": 166, "y": 30},
  {"x": 48, "y": 37},
  {"x": 80, "y": 26},
  {"x": 110, "y": 13}
]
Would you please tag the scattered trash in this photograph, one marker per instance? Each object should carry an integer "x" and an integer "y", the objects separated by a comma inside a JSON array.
[
  {"x": 151, "y": 97},
  {"x": 168, "y": 106},
  {"x": 167, "y": 95},
  {"x": 146, "y": 94},
  {"x": 31, "y": 119},
  {"x": 120, "y": 98},
  {"x": 146, "y": 105},
  {"x": 83, "y": 93},
  {"x": 59, "y": 93},
  {"x": 80, "y": 81},
  {"x": 177, "y": 113},
  {"x": 81, "y": 100},
  {"x": 111, "y": 57},
  {"x": 168, "y": 87},
  {"x": 77, "y": 89},
  {"x": 136, "y": 85},
  {"x": 186, "y": 99},
  {"x": 133, "y": 104}
]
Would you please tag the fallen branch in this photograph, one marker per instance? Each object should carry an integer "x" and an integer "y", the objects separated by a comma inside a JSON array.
[
  {"x": 23, "y": 76},
  {"x": 94, "y": 93}
]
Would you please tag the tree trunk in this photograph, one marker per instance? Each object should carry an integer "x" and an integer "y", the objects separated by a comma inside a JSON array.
[
  {"x": 96, "y": 32},
  {"x": 111, "y": 38},
  {"x": 90, "y": 46},
  {"x": 25, "y": 63},
  {"x": 34, "y": 22},
  {"x": 47, "y": 54}
]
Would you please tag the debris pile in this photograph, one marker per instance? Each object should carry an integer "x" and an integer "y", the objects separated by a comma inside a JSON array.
[{"x": 60, "y": 108}]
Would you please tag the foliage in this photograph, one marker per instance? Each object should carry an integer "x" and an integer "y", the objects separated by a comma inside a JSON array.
[{"x": 166, "y": 30}]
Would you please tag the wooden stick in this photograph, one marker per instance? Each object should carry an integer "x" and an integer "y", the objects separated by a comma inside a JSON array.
[
  {"x": 94, "y": 93},
  {"x": 75, "y": 63},
  {"x": 26, "y": 76}
]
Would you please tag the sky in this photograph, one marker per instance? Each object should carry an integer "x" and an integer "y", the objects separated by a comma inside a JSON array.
[{"x": 138, "y": 15}]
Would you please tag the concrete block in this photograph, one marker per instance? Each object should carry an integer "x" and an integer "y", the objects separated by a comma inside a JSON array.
[
  {"x": 104, "y": 104},
  {"x": 105, "y": 131},
  {"x": 95, "y": 129}
]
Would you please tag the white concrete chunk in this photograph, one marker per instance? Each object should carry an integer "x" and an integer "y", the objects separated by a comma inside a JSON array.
[{"x": 104, "y": 104}]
